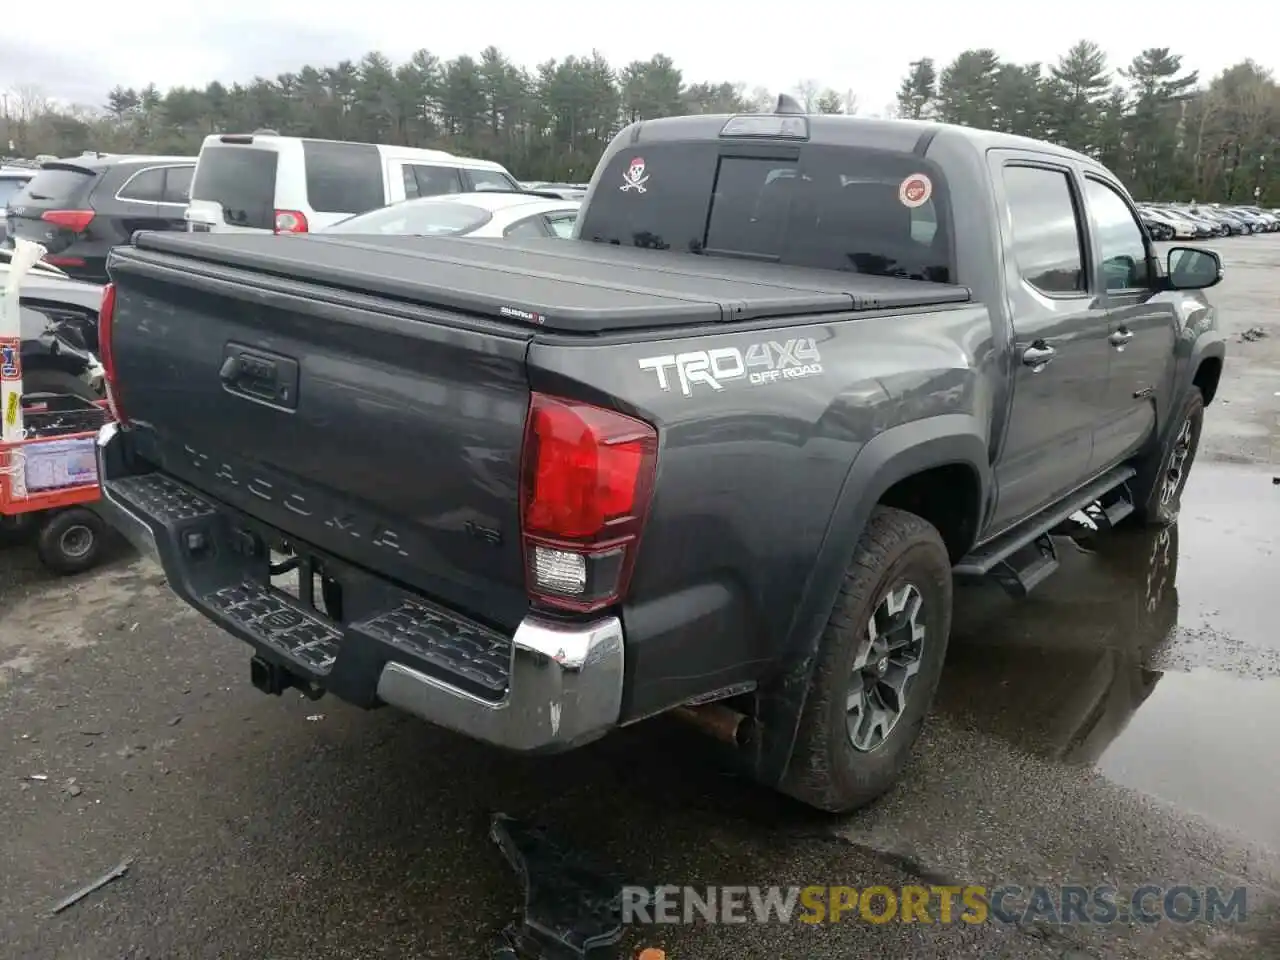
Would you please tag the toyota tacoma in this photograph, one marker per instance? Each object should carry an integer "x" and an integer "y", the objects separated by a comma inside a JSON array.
[{"x": 723, "y": 453}]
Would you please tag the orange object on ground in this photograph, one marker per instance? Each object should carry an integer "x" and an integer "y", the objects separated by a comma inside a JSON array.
[{"x": 652, "y": 953}]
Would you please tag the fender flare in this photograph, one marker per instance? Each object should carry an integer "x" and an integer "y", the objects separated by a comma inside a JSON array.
[
  {"x": 887, "y": 458},
  {"x": 1204, "y": 348}
]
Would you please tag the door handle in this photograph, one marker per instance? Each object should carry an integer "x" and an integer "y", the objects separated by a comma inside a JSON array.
[
  {"x": 1037, "y": 355},
  {"x": 1120, "y": 337}
]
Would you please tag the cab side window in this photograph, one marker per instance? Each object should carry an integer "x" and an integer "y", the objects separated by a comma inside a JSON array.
[
  {"x": 1047, "y": 241},
  {"x": 1124, "y": 249}
]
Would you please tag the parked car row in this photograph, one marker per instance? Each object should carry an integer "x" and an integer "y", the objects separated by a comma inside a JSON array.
[
  {"x": 81, "y": 207},
  {"x": 1191, "y": 221}
]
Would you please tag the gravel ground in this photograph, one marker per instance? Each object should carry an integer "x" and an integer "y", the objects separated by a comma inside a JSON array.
[{"x": 1116, "y": 729}]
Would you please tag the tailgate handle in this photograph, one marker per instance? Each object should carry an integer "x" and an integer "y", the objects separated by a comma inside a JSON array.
[{"x": 273, "y": 380}]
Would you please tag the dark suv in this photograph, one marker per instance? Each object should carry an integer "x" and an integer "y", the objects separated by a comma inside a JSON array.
[{"x": 82, "y": 207}]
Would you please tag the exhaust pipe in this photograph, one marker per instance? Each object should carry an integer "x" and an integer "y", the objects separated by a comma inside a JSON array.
[{"x": 723, "y": 723}]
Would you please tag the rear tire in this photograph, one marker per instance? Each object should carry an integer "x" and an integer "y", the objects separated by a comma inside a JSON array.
[
  {"x": 70, "y": 541},
  {"x": 1163, "y": 477},
  {"x": 900, "y": 569}
]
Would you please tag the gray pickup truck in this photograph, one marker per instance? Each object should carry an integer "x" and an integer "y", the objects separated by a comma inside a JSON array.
[{"x": 721, "y": 454}]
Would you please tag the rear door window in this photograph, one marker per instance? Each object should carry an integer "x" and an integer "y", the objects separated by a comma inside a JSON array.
[
  {"x": 240, "y": 179},
  {"x": 1047, "y": 238},
  {"x": 343, "y": 177},
  {"x": 866, "y": 211},
  {"x": 426, "y": 180},
  {"x": 145, "y": 186},
  {"x": 177, "y": 185}
]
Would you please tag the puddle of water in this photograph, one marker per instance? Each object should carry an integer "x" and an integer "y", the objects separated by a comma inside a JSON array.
[
  {"x": 1206, "y": 741},
  {"x": 1150, "y": 656}
]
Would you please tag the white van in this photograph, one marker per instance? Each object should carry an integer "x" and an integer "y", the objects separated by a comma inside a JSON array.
[{"x": 263, "y": 182}]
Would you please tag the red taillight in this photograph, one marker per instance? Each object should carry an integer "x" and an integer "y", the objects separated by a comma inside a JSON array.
[
  {"x": 106, "y": 351},
  {"x": 65, "y": 261},
  {"x": 76, "y": 221},
  {"x": 291, "y": 221},
  {"x": 587, "y": 477}
]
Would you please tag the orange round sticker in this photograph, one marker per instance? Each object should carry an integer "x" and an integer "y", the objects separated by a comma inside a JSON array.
[{"x": 916, "y": 190}]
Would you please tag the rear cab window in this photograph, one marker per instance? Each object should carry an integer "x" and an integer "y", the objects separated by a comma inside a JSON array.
[
  {"x": 240, "y": 179},
  {"x": 857, "y": 209},
  {"x": 343, "y": 177}
]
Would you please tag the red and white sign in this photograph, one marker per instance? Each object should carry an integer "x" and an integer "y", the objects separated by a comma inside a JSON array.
[{"x": 915, "y": 191}]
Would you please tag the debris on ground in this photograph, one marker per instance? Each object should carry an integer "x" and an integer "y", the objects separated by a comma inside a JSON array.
[
  {"x": 36, "y": 777},
  {"x": 114, "y": 874},
  {"x": 316, "y": 716},
  {"x": 73, "y": 788},
  {"x": 572, "y": 906},
  {"x": 1252, "y": 334}
]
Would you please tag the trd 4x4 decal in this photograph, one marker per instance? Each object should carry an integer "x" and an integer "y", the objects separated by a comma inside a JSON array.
[{"x": 761, "y": 363}]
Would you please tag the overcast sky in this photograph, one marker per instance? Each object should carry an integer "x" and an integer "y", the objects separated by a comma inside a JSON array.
[{"x": 774, "y": 44}]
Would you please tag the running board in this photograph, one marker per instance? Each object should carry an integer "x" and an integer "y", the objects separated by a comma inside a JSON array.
[{"x": 1023, "y": 557}]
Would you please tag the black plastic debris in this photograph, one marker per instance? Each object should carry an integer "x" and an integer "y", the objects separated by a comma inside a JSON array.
[{"x": 572, "y": 906}]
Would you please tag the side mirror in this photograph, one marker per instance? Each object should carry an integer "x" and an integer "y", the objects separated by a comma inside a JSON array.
[{"x": 1191, "y": 268}]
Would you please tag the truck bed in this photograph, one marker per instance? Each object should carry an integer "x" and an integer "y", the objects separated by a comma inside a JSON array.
[{"x": 556, "y": 285}]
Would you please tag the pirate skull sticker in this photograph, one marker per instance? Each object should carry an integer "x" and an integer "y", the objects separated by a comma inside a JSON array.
[{"x": 634, "y": 177}]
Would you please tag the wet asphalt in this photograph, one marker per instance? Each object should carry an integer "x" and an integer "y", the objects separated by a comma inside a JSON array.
[{"x": 1117, "y": 727}]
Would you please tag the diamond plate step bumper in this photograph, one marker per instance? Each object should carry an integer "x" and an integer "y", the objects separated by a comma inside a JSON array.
[{"x": 551, "y": 686}]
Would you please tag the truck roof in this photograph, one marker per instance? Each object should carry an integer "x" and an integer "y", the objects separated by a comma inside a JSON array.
[
  {"x": 561, "y": 285},
  {"x": 842, "y": 130}
]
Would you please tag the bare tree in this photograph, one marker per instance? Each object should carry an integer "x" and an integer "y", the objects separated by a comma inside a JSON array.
[
  {"x": 29, "y": 102},
  {"x": 808, "y": 92},
  {"x": 761, "y": 99}
]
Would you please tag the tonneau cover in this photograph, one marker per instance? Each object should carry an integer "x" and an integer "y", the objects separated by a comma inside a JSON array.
[{"x": 564, "y": 285}]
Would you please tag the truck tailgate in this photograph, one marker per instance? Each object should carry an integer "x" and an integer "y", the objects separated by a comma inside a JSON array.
[{"x": 387, "y": 435}]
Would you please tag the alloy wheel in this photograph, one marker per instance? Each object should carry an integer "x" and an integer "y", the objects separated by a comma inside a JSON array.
[
  {"x": 885, "y": 667},
  {"x": 1176, "y": 471}
]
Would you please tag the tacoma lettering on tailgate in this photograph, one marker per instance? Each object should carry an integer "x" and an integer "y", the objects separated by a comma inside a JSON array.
[{"x": 342, "y": 521}]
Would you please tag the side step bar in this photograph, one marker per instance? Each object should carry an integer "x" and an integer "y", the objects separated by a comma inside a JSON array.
[{"x": 1022, "y": 558}]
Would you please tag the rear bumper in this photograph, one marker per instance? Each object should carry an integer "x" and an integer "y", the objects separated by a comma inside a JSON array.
[{"x": 549, "y": 687}]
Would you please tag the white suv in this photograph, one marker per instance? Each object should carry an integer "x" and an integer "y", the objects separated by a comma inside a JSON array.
[{"x": 263, "y": 182}]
